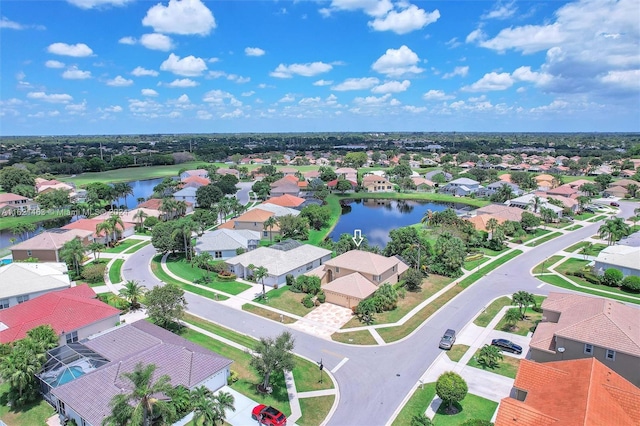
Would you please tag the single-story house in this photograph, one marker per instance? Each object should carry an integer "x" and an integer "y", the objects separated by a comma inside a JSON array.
[
  {"x": 224, "y": 243},
  {"x": 566, "y": 191},
  {"x": 480, "y": 222},
  {"x": 156, "y": 204},
  {"x": 224, "y": 171},
  {"x": 347, "y": 173},
  {"x": 373, "y": 183},
  {"x": 46, "y": 246},
  {"x": 20, "y": 281},
  {"x": 333, "y": 184},
  {"x": 92, "y": 370},
  {"x": 187, "y": 194},
  {"x": 92, "y": 224},
  {"x": 526, "y": 201},
  {"x": 494, "y": 187},
  {"x": 194, "y": 182},
  {"x": 422, "y": 184},
  {"x": 196, "y": 172},
  {"x": 625, "y": 258},
  {"x": 461, "y": 187},
  {"x": 501, "y": 211},
  {"x": 253, "y": 220},
  {"x": 572, "y": 392},
  {"x": 282, "y": 259},
  {"x": 615, "y": 191},
  {"x": 74, "y": 314},
  {"x": 286, "y": 200}
]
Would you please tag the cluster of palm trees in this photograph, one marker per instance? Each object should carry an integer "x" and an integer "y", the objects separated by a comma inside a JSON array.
[
  {"x": 172, "y": 208},
  {"x": 132, "y": 292},
  {"x": 614, "y": 229},
  {"x": 112, "y": 228},
  {"x": 150, "y": 401},
  {"x": 227, "y": 206}
]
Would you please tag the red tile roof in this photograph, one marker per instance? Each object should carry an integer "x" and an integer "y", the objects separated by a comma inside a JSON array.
[
  {"x": 581, "y": 392},
  {"x": 65, "y": 310},
  {"x": 286, "y": 200}
]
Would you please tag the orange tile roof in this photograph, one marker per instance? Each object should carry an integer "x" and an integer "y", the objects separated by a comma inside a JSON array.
[
  {"x": 196, "y": 179},
  {"x": 91, "y": 224},
  {"x": 5, "y": 198},
  {"x": 286, "y": 200},
  {"x": 581, "y": 392},
  {"x": 480, "y": 221},
  {"x": 254, "y": 215}
]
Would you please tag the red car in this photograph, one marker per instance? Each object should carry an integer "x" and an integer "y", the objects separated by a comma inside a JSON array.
[
  {"x": 614, "y": 204},
  {"x": 268, "y": 416}
]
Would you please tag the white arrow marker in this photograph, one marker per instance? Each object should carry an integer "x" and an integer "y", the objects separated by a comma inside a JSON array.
[{"x": 357, "y": 237}]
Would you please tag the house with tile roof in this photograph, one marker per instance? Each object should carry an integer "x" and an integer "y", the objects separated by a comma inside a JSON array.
[
  {"x": 46, "y": 246},
  {"x": 195, "y": 172},
  {"x": 526, "y": 202},
  {"x": 575, "y": 327},
  {"x": 11, "y": 204},
  {"x": 225, "y": 243},
  {"x": 20, "y": 281},
  {"x": 74, "y": 313},
  {"x": 253, "y": 220},
  {"x": 286, "y": 200},
  {"x": 195, "y": 182},
  {"x": 282, "y": 259},
  {"x": 581, "y": 392},
  {"x": 187, "y": 194},
  {"x": 461, "y": 187},
  {"x": 625, "y": 258},
  {"x": 494, "y": 187},
  {"x": 374, "y": 183},
  {"x": 81, "y": 379},
  {"x": 101, "y": 237},
  {"x": 567, "y": 191},
  {"x": 355, "y": 275}
]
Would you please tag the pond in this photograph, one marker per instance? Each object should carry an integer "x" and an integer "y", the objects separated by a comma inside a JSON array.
[{"x": 377, "y": 217}]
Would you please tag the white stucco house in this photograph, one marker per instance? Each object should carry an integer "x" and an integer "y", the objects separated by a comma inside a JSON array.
[
  {"x": 461, "y": 187},
  {"x": 624, "y": 258},
  {"x": 224, "y": 243},
  {"x": 187, "y": 194},
  {"x": 20, "y": 282}
]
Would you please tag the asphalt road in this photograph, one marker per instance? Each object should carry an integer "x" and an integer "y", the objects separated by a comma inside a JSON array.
[
  {"x": 375, "y": 380},
  {"x": 243, "y": 193}
]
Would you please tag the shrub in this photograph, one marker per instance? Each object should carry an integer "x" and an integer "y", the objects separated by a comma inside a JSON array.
[
  {"x": 578, "y": 274},
  {"x": 94, "y": 273},
  {"x": 233, "y": 377},
  {"x": 322, "y": 297},
  {"x": 631, "y": 283},
  {"x": 307, "y": 301},
  {"x": 612, "y": 277},
  {"x": 290, "y": 280},
  {"x": 219, "y": 267}
]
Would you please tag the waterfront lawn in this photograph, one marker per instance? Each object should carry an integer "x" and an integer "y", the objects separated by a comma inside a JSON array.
[
  {"x": 185, "y": 270},
  {"x": 266, "y": 313},
  {"x": 9, "y": 222},
  {"x": 122, "y": 245},
  {"x": 425, "y": 196},
  {"x": 491, "y": 311},
  {"x": 457, "y": 352},
  {"x": 115, "y": 271},
  {"x": 318, "y": 236},
  {"x": 430, "y": 286},
  {"x": 360, "y": 337},
  {"x": 507, "y": 367},
  {"x": 35, "y": 413},
  {"x": 315, "y": 410},
  {"x": 543, "y": 267},
  {"x": 544, "y": 239},
  {"x": 417, "y": 404},
  {"x": 471, "y": 407},
  {"x": 284, "y": 299}
]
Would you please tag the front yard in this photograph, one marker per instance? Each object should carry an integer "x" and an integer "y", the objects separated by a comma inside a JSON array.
[
  {"x": 123, "y": 245},
  {"x": 471, "y": 407},
  {"x": 286, "y": 300},
  {"x": 185, "y": 270},
  {"x": 524, "y": 326},
  {"x": 507, "y": 367}
]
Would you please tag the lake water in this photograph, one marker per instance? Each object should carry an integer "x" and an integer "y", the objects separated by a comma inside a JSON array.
[
  {"x": 377, "y": 217},
  {"x": 141, "y": 189}
]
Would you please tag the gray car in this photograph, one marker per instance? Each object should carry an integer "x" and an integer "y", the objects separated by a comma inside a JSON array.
[{"x": 448, "y": 339}]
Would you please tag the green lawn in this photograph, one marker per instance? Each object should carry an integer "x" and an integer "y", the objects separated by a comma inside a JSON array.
[
  {"x": 427, "y": 196},
  {"x": 179, "y": 266},
  {"x": 360, "y": 337},
  {"x": 488, "y": 268},
  {"x": 115, "y": 271},
  {"x": 162, "y": 276},
  {"x": 417, "y": 404},
  {"x": 272, "y": 315},
  {"x": 457, "y": 352},
  {"x": 523, "y": 327},
  {"x": 430, "y": 286},
  {"x": 123, "y": 245},
  {"x": 316, "y": 237},
  {"x": 544, "y": 239},
  {"x": 130, "y": 174},
  {"x": 314, "y": 410},
  {"x": 571, "y": 265},
  {"x": 574, "y": 228},
  {"x": 113, "y": 300},
  {"x": 227, "y": 333},
  {"x": 285, "y": 300},
  {"x": 584, "y": 216},
  {"x": 307, "y": 377},
  {"x": 610, "y": 292},
  {"x": 507, "y": 367},
  {"x": 472, "y": 264},
  {"x": 491, "y": 252},
  {"x": 9, "y": 222},
  {"x": 543, "y": 267},
  {"x": 471, "y": 407},
  {"x": 34, "y": 414},
  {"x": 138, "y": 247},
  {"x": 538, "y": 232},
  {"x": 491, "y": 311}
]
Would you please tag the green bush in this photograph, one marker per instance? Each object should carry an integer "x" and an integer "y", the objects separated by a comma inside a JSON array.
[
  {"x": 307, "y": 301},
  {"x": 233, "y": 377},
  {"x": 94, "y": 273},
  {"x": 612, "y": 277},
  {"x": 322, "y": 297},
  {"x": 290, "y": 280},
  {"x": 631, "y": 283}
]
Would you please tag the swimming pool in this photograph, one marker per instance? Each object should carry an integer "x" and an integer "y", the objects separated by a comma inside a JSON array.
[{"x": 67, "y": 375}]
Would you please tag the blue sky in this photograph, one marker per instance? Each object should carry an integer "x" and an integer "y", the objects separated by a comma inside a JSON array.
[{"x": 193, "y": 66}]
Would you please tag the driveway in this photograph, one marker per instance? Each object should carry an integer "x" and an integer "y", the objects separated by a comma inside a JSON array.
[{"x": 380, "y": 377}]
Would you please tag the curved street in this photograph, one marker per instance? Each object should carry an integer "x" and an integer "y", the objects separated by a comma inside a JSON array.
[{"x": 375, "y": 379}]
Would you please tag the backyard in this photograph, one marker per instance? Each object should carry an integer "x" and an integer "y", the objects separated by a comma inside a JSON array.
[{"x": 35, "y": 413}]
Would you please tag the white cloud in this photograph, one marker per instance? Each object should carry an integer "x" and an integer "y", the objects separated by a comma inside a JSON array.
[
  {"x": 156, "y": 41},
  {"x": 180, "y": 17},
  {"x": 626, "y": 79},
  {"x": 525, "y": 74},
  {"x": 491, "y": 82},
  {"x": 76, "y": 108},
  {"x": 414, "y": 109},
  {"x": 54, "y": 98},
  {"x": 113, "y": 108},
  {"x": 287, "y": 98},
  {"x": 149, "y": 92},
  {"x": 183, "y": 99},
  {"x": 453, "y": 43},
  {"x": 119, "y": 81},
  {"x": 401, "y": 22},
  {"x": 436, "y": 95},
  {"x": 392, "y": 87},
  {"x": 461, "y": 71},
  {"x": 76, "y": 50},
  {"x": 90, "y": 4},
  {"x": 127, "y": 40},
  {"x": 305, "y": 70},
  {"x": 53, "y": 64},
  {"x": 73, "y": 73},
  {"x": 204, "y": 115},
  {"x": 218, "y": 97},
  {"x": 374, "y": 8},
  {"x": 253, "y": 51},
  {"x": 140, "y": 72},
  {"x": 238, "y": 78},
  {"x": 398, "y": 62},
  {"x": 189, "y": 66},
  {"x": 501, "y": 11},
  {"x": 234, "y": 114},
  {"x": 249, "y": 93},
  {"x": 12, "y": 25},
  {"x": 323, "y": 83},
  {"x": 372, "y": 100},
  {"x": 356, "y": 84},
  {"x": 528, "y": 39},
  {"x": 476, "y": 35},
  {"x": 182, "y": 82}
]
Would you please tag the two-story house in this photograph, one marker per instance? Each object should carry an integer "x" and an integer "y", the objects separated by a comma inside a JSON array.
[
  {"x": 373, "y": 183},
  {"x": 461, "y": 187}
]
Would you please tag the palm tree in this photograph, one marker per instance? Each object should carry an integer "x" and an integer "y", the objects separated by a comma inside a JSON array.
[
  {"x": 632, "y": 189},
  {"x": 132, "y": 292},
  {"x": 511, "y": 317},
  {"x": 140, "y": 215},
  {"x": 535, "y": 203},
  {"x": 168, "y": 207},
  {"x": 204, "y": 407},
  {"x": 270, "y": 223},
  {"x": 181, "y": 208},
  {"x": 19, "y": 368},
  {"x": 614, "y": 229},
  {"x": 122, "y": 190},
  {"x": 586, "y": 250},
  {"x": 184, "y": 228},
  {"x": 142, "y": 404},
  {"x": 260, "y": 273},
  {"x": 95, "y": 248},
  {"x": 181, "y": 400},
  {"x": 224, "y": 401},
  {"x": 492, "y": 224},
  {"x": 489, "y": 356},
  {"x": 582, "y": 200},
  {"x": 72, "y": 252},
  {"x": 523, "y": 299}
]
